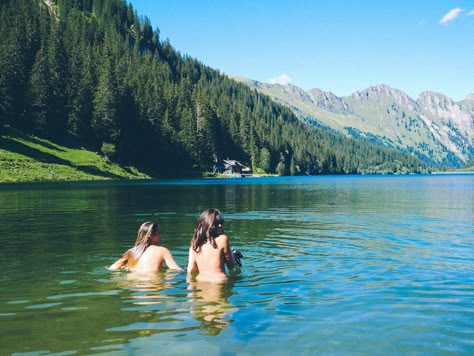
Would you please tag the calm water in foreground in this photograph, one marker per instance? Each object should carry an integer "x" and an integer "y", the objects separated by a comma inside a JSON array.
[{"x": 346, "y": 265}]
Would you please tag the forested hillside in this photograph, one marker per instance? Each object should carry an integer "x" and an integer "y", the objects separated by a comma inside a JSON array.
[{"x": 98, "y": 71}]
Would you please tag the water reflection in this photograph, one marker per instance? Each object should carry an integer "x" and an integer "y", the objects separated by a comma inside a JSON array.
[
  {"x": 146, "y": 287},
  {"x": 210, "y": 304},
  {"x": 334, "y": 265},
  {"x": 159, "y": 297}
]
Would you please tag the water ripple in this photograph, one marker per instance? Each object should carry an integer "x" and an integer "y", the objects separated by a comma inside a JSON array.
[{"x": 333, "y": 265}]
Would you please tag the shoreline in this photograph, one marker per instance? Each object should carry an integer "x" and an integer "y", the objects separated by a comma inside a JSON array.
[
  {"x": 204, "y": 177},
  {"x": 454, "y": 172}
]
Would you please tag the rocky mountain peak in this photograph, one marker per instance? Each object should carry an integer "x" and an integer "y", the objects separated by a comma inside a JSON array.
[
  {"x": 435, "y": 101},
  {"x": 377, "y": 92},
  {"x": 319, "y": 94},
  {"x": 470, "y": 97},
  {"x": 295, "y": 91},
  {"x": 448, "y": 114},
  {"x": 327, "y": 100},
  {"x": 468, "y": 105},
  {"x": 372, "y": 91}
]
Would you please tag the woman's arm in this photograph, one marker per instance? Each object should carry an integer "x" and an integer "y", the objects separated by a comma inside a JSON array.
[
  {"x": 170, "y": 262},
  {"x": 122, "y": 261},
  {"x": 229, "y": 257},
  {"x": 192, "y": 265}
]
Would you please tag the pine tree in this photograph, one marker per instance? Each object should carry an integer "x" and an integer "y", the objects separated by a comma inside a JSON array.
[
  {"x": 106, "y": 101},
  {"x": 207, "y": 130},
  {"x": 40, "y": 92},
  {"x": 264, "y": 160},
  {"x": 79, "y": 121},
  {"x": 19, "y": 31},
  {"x": 6, "y": 74},
  {"x": 57, "y": 63}
]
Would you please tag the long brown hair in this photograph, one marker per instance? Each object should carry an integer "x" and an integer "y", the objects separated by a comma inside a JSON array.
[
  {"x": 130, "y": 258},
  {"x": 203, "y": 230}
]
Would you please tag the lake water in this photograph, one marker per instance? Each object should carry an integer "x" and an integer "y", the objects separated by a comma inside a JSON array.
[{"x": 349, "y": 264}]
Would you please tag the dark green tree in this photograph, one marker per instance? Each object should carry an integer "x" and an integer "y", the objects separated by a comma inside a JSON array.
[
  {"x": 57, "y": 65},
  {"x": 106, "y": 101}
]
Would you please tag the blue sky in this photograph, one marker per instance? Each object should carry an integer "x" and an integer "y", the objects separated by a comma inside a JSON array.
[{"x": 340, "y": 46}]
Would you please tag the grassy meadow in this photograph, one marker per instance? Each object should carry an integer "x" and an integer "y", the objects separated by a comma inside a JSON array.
[{"x": 25, "y": 158}]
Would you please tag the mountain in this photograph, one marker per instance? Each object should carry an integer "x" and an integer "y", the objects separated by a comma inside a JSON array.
[
  {"x": 433, "y": 127},
  {"x": 96, "y": 71}
]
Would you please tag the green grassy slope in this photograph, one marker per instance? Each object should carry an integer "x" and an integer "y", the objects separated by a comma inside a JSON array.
[{"x": 25, "y": 158}]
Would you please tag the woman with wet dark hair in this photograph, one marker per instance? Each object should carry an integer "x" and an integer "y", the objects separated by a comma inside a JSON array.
[{"x": 210, "y": 249}]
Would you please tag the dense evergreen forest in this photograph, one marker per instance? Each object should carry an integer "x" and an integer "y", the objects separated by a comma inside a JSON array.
[{"x": 95, "y": 70}]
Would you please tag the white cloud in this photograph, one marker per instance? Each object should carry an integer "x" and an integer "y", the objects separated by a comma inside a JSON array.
[
  {"x": 283, "y": 79},
  {"x": 451, "y": 15},
  {"x": 470, "y": 13}
]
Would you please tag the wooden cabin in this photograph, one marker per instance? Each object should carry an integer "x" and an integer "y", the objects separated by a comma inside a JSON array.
[{"x": 231, "y": 167}]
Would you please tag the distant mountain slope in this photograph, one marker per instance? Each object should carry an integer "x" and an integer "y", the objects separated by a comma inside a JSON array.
[{"x": 434, "y": 127}]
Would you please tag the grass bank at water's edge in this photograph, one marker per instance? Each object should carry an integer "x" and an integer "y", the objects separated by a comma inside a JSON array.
[{"x": 25, "y": 158}]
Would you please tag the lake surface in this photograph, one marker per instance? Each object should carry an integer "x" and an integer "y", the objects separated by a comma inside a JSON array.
[{"x": 346, "y": 264}]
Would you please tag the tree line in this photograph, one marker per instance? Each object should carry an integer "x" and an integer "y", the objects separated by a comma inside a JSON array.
[{"x": 96, "y": 70}]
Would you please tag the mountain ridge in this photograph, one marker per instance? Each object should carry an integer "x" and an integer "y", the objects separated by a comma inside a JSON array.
[{"x": 433, "y": 126}]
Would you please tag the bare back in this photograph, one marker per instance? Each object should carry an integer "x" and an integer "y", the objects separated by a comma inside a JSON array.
[
  {"x": 152, "y": 260},
  {"x": 210, "y": 261}
]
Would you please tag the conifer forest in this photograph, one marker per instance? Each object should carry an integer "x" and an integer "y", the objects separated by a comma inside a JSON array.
[{"x": 96, "y": 71}]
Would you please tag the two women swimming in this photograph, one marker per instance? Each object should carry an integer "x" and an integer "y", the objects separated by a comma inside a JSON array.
[{"x": 209, "y": 252}]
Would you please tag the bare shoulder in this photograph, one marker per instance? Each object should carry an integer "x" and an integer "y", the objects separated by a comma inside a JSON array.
[
  {"x": 158, "y": 249},
  {"x": 222, "y": 240}
]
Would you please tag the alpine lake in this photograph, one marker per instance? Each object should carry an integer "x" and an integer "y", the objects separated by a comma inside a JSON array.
[{"x": 332, "y": 265}]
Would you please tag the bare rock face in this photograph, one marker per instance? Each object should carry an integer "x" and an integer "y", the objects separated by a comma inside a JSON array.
[
  {"x": 470, "y": 97},
  {"x": 452, "y": 123},
  {"x": 328, "y": 101}
]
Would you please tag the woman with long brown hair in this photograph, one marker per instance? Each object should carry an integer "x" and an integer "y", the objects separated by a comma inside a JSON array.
[
  {"x": 145, "y": 255},
  {"x": 210, "y": 249}
]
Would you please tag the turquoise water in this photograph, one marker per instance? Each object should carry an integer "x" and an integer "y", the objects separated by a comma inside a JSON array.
[{"x": 332, "y": 265}]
